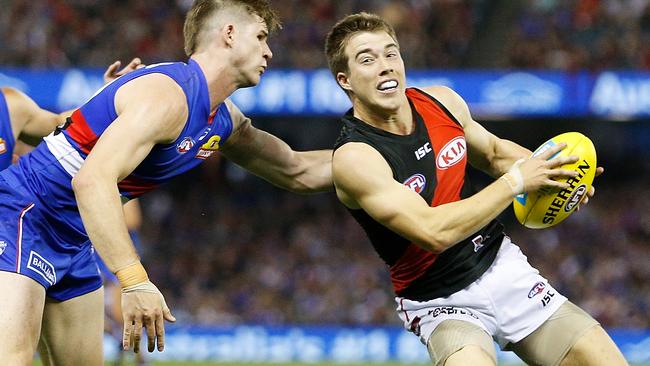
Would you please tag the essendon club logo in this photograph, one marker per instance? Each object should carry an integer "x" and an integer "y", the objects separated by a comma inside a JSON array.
[
  {"x": 452, "y": 153},
  {"x": 416, "y": 183}
]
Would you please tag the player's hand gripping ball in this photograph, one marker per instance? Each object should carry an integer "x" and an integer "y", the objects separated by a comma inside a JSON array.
[{"x": 548, "y": 207}]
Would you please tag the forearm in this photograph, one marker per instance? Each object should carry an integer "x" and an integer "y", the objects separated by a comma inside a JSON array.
[
  {"x": 101, "y": 211},
  {"x": 315, "y": 172},
  {"x": 506, "y": 153},
  {"x": 456, "y": 221}
]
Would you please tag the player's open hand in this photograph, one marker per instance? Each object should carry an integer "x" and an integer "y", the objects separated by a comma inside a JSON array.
[
  {"x": 144, "y": 306},
  {"x": 113, "y": 73},
  {"x": 543, "y": 169}
]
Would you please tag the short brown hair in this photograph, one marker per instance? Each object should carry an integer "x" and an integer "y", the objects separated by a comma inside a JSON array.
[
  {"x": 342, "y": 31},
  {"x": 202, "y": 10}
]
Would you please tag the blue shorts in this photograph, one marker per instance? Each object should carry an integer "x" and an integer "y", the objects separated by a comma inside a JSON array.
[{"x": 33, "y": 243}]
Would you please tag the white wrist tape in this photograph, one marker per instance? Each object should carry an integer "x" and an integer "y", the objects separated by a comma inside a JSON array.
[
  {"x": 148, "y": 287},
  {"x": 514, "y": 178}
]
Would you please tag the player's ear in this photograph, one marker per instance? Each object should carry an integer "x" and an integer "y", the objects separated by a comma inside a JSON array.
[
  {"x": 343, "y": 81},
  {"x": 228, "y": 34}
]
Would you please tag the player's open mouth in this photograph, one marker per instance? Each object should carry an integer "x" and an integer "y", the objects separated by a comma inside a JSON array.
[{"x": 387, "y": 86}]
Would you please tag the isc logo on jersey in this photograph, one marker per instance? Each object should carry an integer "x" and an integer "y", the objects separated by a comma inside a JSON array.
[
  {"x": 416, "y": 183},
  {"x": 452, "y": 153}
]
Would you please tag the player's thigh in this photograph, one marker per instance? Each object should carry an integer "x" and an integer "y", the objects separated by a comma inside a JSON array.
[
  {"x": 457, "y": 342},
  {"x": 73, "y": 329},
  {"x": 594, "y": 348},
  {"x": 21, "y": 310},
  {"x": 570, "y": 334}
]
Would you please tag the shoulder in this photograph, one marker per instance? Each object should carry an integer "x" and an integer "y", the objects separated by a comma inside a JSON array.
[
  {"x": 156, "y": 92},
  {"x": 15, "y": 97},
  {"x": 350, "y": 156},
  {"x": 451, "y": 100}
]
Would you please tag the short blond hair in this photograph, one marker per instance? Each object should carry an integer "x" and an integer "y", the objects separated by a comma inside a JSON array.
[
  {"x": 341, "y": 33},
  {"x": 202, "y": 10}
]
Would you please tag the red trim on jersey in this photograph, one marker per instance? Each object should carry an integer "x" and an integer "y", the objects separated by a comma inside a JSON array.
[
  {"x": 81, "y": 133},
  {"x": 411, "y": 265},
  {"x": 442, "y": 128},
  {"x": 135, "y": 186},
  {"x": 19, "y": 239}
]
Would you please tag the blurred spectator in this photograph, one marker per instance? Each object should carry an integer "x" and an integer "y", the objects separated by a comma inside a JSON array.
[
  {"x": 59, "y": 33},
  {"x": 581, "y": 35}
]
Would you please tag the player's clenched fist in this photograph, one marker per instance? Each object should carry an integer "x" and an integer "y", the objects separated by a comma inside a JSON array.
[{"x": 143, "y": 305}]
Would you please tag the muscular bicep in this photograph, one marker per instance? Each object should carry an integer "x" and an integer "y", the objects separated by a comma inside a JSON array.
[
  {"x": 143, "y": 121},
  {"x": 374, "y": 190}
]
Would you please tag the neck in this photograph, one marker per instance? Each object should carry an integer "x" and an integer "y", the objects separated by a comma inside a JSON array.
[
  {"x": 221, "y": 82},
  {"x": 398, "y": 121}
]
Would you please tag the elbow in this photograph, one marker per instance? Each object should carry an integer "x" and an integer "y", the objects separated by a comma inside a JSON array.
[
  {"x": 437, "y": 241},
  {"x": 83, "y": 182}
]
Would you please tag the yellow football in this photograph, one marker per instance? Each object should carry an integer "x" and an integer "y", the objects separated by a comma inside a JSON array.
[{"x": 548, "y": 207}]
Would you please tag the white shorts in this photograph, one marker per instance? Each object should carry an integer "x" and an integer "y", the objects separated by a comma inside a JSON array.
[{"x": 509, "y": 301}]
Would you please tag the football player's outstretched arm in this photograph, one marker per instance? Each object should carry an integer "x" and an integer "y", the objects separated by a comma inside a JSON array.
[
  {"x": 151, "y": 110},
  {"x": 272, "y": 159},
  {"x": 29, "y": 122}
]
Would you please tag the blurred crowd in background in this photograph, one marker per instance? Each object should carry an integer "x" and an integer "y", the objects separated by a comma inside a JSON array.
[
  {"x": 557, "y": 34},
  {"x": 228, "y": 248}
]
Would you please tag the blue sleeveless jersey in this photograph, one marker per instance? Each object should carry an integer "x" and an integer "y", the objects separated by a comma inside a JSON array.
[
  {"x": 46, "y": 173},
  {"x": 6, "y": 134}
]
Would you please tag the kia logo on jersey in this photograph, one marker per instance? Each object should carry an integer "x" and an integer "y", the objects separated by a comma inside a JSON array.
[
  {"x": 185, "y": 145},
  {"x": 416, "y": 183},
  {"x": 451, "y": 153}
]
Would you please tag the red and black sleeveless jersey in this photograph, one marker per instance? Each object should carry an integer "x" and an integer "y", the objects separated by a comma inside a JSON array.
[{"x": 431, "y": 161}]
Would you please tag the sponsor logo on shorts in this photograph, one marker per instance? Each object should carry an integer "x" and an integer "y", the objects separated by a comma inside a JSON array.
[
  {"x": 416, "y": 183},
  {"x": 547, "y": 298},
  {"x": 41, "y": 266},
  {"x": 536, "y": 290},
  {"x": 3, "y": 245},
  {"x": 450, "y": 310},
  {"x": 185, "y": 145},
  {"x": 452, "y": 153}
]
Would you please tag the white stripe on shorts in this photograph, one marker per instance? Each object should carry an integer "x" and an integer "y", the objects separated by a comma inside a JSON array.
[{"x": 19, "y": 241}]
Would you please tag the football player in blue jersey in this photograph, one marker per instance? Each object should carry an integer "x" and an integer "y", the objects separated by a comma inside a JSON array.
[{"x": 135, "y": 134}]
